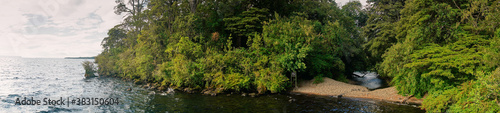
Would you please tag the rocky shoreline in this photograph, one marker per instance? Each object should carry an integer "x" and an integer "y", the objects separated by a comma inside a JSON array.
[
  {"x": 339, "y": 89},
  {"x": 329, "y": 87}
]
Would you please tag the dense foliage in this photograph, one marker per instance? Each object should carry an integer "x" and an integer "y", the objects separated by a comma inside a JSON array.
[
  {"x": 232, "y": 45},
  {"x": 445, "y": 49}
]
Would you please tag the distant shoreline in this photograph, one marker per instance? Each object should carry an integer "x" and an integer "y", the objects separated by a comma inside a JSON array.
[{"x": 79, "y": 57}]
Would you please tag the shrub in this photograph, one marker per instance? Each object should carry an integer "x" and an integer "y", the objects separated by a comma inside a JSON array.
[
  {"x": 89, "y": 69},
  {"x": 318, "y": 79}
]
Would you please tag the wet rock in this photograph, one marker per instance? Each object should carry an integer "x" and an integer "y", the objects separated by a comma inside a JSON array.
[
  {"x": 155, "y": 86},
  {"x": 219, "y": 90},
  {"x": 209, "y": 92},
  {"x": 251, "y": 94},
  {"x": 170, "y": 91},
  {"x": 149, "y": 86},
  {"x": 89, "y": 75},
  {"x": 188, "y": 90},
  {"x": 204, "y": 91},
  {"x": 138, "y": 82},
  {"x": 161, "y": 88},
  {"x": 152, "y": 93}
]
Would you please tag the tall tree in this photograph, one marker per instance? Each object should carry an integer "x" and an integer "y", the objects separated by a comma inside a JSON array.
[
  {"x": 355, "y": 10},
  {"x": 134, "y": 17},
  {"x": 380, "y": 27}
]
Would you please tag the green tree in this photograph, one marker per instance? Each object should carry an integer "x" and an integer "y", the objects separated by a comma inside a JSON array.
[
  {"x": 355, "y": 10},
  {"x": 443, "y": 49},
  {"x": 290, "y": 40},
  {"x": 134, "y": 17},
  {"x": 380, "y": 27},
  {"x": 114, "y": 44},
  {"x": 245, "y": 24}
]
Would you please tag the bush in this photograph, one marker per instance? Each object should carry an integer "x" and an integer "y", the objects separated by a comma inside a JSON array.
[
  {"x": 89, "y": 69},
  {"x": 477, "y": 96},
  {"x": 318, "y": 79}
]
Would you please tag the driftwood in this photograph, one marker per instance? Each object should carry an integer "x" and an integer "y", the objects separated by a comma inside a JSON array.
[{"x": 406, "y": 99}]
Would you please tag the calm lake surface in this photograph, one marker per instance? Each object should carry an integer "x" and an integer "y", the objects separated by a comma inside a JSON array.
[{"x": 40, "y": 78}]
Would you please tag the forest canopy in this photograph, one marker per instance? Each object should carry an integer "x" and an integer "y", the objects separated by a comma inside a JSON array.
[
  {"x": 447, "y": 50},
  {"x": 233, "y": 45}
]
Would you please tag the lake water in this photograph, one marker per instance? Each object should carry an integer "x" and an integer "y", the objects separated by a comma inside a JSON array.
[
  {"x": 55, "y": 79},
  {"x": 368, "y": 79}
]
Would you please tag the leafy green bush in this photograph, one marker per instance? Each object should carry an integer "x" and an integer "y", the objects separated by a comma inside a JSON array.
[
  {"x": 318, "y": 79},
  {"x": 444, "y": 51},
  {"x": 289, "y": 40},
  {"x": 89, "y": 69},
  {"x": 479, "y": 96}
]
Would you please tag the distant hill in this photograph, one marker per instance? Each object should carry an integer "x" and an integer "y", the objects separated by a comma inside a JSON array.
[{"x": 79, "y": 57}]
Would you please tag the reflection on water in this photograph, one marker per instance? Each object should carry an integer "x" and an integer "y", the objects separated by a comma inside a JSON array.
[
  {"x": 55, "y": 78},
  {"x": 368, "y": 79}
]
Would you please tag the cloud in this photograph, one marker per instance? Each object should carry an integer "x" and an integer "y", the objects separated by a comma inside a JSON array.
[{"x": 55, "y": 28}]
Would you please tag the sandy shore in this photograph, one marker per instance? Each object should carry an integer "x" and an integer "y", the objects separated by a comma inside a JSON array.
[{"x": 331, "y": 87}]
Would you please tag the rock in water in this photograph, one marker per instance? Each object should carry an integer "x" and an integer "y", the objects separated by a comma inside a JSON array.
[
  {"x": 252, "y": 94},
  {"x": 89, "y": 75},
  {"x": 188, "y": 90},
  {"x": 170, "y": 91},
  {"x": 152, "y": 93},
  {"x": 209, "y": 92}
]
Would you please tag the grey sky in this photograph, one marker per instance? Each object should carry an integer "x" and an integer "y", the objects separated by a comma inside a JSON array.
[
  {"x": 55, "y": 28},
  {"x": 343, "y": 2},
  {"x": 58, "y": 28}
]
